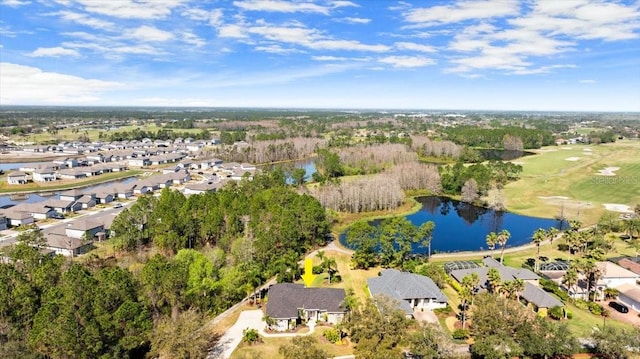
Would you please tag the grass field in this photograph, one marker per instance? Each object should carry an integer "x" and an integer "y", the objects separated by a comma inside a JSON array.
[{"x": 579, "y": 191}]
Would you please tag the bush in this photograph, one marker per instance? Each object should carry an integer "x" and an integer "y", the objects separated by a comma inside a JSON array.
[
  {"x": 556, "y": 313},
  {"x": 317, "y": 270},
  {"x": 332, "y": 335},
  {"x": 445, "y": 310},
  {"x": 336, "y": 278},
  {"x": 460, "y": 334},
  {"x": 582, "y": 304},
  {"x": 250, "y": 336},
  {"x": 455, "y": 285},
  {"x": 595, "y": 308},
  {"x": 552, "y": 287}
]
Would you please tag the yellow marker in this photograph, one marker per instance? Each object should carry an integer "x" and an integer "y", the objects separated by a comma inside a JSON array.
[{"x": 308, "y": 275}]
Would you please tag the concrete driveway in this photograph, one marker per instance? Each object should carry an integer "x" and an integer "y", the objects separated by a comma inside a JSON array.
[
  {"x": 232, "y": 337},
  {"x": 426, "y": 316}
]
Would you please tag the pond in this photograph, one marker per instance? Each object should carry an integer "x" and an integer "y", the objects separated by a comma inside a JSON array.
[
  {"x": 8, "y": 167},
  {"x": 489, "y": 154},
  {"x": 461, "y": 226},
  {"x": 308, "y": 165}
]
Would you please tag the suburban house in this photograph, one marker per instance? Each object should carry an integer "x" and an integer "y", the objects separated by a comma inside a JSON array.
[
  {"x": 630, "y": 263},
  {"x": 72, "y": 173},
  {"x": 66, "y": 162},
  {"x": 63, "y": 206},
  {"x": 411, "y": 291},
  {"x": 36, "y": 210},
  {"x": 44, "y": 174},
  {"x": 17, "y": 177},
  {"x": 16, "y": 218},
  {"x": 536, "y": 298},
  {"x": 104, "y": 195},
  {"x": 82, "y": 228},
  {"x": 72, "y": 195},
  {"x": 289, "y": 304},
  {"x": 87, "y": 201},
  {"x": 60, "y": 243},
  {"x": 123, "y": 190},
  {"x": 199, "y": 188}
]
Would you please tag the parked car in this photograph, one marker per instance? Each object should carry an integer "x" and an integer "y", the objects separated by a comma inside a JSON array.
[
  {"x": 58, "y": 216},
  {"x": 619, "y": 307},
  {"x": 117, "y": 205}
]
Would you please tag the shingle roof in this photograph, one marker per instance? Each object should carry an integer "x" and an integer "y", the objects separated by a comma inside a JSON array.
[
  {"x": 630, "y": 265},
  {"x": 539, "y": 297},
  {"x": 286, "y": 298},
  {"x": 506, "y": 273},
  {"x": 403, "y": 285}
]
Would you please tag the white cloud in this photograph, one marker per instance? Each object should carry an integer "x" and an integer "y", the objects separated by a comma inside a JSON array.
[
  {"x": 192, "y": 39},
  {"x": 353, "y": 20},
  {"x": 461, "y": 11},
  {"x": 339, "y": 58},
  {"x": 588, "y": 81},
  {"x": 414, "y": 47},
  {"x": 54, "y": 52},
  {"x": 213, "y": 17},
  {"x": 14, "y": 3},
  {"x": 343, "y": 3},
  {"x": 30, "y": 85},
  {"x": 311, "y": 38},
  {"x": 150, "y": 33},
  {"x": 407, "y": 61},
  {"x": 131, "y": 9},
  {"x": 232, "y": 31},
  {"x": 280, "y": 6},
  {"x": 275, "y": 49},
  {"x": 83, "y": 19}
]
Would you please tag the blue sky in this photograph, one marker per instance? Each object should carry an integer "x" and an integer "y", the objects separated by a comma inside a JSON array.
[{"x": 555, "y": 55}]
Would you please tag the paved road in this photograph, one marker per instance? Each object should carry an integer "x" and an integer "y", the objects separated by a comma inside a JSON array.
[{"x": 9, "y": 236}]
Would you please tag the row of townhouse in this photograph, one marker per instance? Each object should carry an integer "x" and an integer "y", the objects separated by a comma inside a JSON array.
[
  {"x": 91, "y": 148},
  {"x": 48, "y": 173}
]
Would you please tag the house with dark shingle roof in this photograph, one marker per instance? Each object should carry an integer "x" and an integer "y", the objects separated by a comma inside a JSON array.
[
  {"x": 411, "y": 291},
  {"x": 290, "y": 303}
]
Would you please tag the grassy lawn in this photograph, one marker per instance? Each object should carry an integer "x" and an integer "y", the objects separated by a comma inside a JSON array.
[
  {"x": 583, "y": 322},
  {"x": 66, "y": 184},
  {"x": 549, "y": 174},
  {"x": 270, "y": 346}
]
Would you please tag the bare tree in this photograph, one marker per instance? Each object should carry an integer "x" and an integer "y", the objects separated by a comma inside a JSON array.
[
  {"x": 512, "y": 143},
  {"x": 373, "y": 193},
  {"x": 470, "y": 191},
  {"x": 416, "y": 176}
]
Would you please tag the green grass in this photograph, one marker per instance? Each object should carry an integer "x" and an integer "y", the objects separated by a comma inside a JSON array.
[
  {"x": 548, "y": 173},
  {"x": 583, "y": 322}
]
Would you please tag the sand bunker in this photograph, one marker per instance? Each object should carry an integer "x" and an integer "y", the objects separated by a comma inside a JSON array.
[
  {"x": 566, "y": 203},
  {"x": 572, "y": 159},
  {"x": 609, "y": 171},
  {"x": 567, "y": 148},
  {"x": 615, "y": 207},
  {"x": 554, "y": 197},
  {"x": 586, "y": 149}
]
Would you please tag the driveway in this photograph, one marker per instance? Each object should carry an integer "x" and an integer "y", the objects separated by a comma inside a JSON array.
[
  {"x": 232, "y": 337},
  {"x": 631, "y": 317},
  {"x": 426, "y": 316}
]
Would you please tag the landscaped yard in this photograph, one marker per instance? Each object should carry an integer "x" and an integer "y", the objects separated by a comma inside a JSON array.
[{"x": 270, "y": 346}]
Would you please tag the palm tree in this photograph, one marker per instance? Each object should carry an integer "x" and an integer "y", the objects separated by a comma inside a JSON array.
[
  {"x": 330, "y": 265},
  {"x": 538, "y": 236},
  {"x": 494, "y": 279},
  {"x": 570, "y": 279},
  {"x": 513, "y": 288},
  {"x": 468, "y": 289},
  {"x": 492, "y": 240},
  {"x": 575, "y": 224},
  {"x": 502, "y": 239},
  {"x": 552, "y": 233}
]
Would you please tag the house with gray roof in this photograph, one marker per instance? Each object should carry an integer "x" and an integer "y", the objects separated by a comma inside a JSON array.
[
  {"x": 289, "y": 304},
  {"x": 410, "y": 291},
  {"x": 536, "y": 298}
]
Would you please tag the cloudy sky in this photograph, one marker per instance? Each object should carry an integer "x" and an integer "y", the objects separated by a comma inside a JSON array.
[{"x": 484, "y": 54}]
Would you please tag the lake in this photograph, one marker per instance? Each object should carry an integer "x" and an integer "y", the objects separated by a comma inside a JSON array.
[
  {"x": 464, "y": 227},
  {"x": 8, "y": 167}
]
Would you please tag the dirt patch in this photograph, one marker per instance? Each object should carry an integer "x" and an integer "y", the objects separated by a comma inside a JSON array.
[
  {"x": 609, "y": 171},
  {"x": 572, "y": 159}
]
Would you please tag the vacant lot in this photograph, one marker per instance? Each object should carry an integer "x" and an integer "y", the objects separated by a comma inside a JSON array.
[{"x": 567, "y": 180}]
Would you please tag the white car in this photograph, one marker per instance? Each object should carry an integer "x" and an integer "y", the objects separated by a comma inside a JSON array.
[{"x": 117, "y": 205}]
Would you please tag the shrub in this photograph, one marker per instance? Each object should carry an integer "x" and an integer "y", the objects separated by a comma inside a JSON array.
[
  {"x": 595, "y": 308},
  {"x": 556, "y": 313},
  {"x": 317, "y": 270},
  {"x": 582, "y": 304},
  {"x": 455, "y": 285},
  {"x": 445, "y": 310},
  {"x": 552, "y": 287},
  {"x": 332, "y": 335},
  {"x": 336, "y": 278},
  {"x": 460, "y": 334},
  {"x": 250, "y": 336}
]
